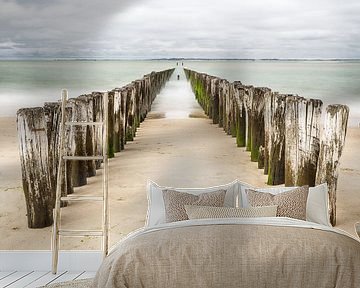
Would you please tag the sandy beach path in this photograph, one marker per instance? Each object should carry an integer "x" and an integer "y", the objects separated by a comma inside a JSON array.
[{"x": 174, "y": 151}]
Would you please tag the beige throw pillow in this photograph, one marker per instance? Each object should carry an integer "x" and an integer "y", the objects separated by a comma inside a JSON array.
[
  {"x": 290, "y": 204},
  {"x": 201, "y": 212},
  {"x": 175, "y": 201}
]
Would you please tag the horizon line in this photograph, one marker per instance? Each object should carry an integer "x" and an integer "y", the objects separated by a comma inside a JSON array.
[{"x": 171, "y": 59}]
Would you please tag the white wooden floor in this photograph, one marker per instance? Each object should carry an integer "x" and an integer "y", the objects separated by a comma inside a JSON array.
[
  {"x": 31, "y": 279},
  {"x": 32, "y": 268}
]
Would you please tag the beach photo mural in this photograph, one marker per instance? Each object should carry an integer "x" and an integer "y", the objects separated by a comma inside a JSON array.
[{"x": 200, "y": 93}]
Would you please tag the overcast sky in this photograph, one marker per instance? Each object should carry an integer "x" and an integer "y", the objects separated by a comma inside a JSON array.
[{"x": 181, "y": 28}]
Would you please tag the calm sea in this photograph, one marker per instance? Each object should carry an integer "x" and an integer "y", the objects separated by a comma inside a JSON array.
[{"x": 31, "y": 83}]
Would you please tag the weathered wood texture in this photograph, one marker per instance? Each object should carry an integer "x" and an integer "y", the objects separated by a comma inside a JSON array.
[
  {"x": 282, "y": 132},
  {"x": 35, "y": 166},
  {"x": 88, "y": 101},
  {"x": 52, "y": 112},
  {"x": 274, "y": 152},
  {"x": 78, "y": 141},
  {"x": 240, "y": 113},
  {"x": 257, "y": 121},
  {"x": 331, "y": 148},
  {"x": 39, "y": 139},
  {"x": 117, "y": 121},
  {"x": 302, "y": 140}
]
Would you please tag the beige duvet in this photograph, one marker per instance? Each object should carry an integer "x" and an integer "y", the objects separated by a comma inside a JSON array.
[{"x": 234, "y": 254}]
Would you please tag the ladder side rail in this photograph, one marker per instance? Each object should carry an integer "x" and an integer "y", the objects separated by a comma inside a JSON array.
[
  {"x": 55, "y": 236},
  {"x": 105, "y": 225}
]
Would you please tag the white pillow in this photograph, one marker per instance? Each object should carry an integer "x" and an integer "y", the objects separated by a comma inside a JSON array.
[
  {"x": 317, "y": 207},
  {"x": 242, "y": 186},
  {"x": 156, "y": 207}
]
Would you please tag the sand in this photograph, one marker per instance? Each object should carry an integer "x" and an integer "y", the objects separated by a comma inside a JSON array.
[{"x": 175, "y": 152}]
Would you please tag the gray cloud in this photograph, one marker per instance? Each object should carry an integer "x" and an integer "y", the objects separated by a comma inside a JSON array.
[{"x": 187, "y": 28}]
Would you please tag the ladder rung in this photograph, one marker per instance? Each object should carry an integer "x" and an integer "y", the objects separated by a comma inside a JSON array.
[
  {"x": 80, "y": 233},
  {"x": 83, "y": 158},
  {"x": 84, "y": 123},
  {"x": 82, "y": 198}
]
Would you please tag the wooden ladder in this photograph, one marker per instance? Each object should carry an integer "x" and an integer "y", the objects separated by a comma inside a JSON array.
[{"x": 57, "y": 231}]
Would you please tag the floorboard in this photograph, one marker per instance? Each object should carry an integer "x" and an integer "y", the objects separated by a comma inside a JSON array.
[
  {"x": 46, "y": 279},
  {"x": 13, "y": 277},
  {"x": 34, "y": 279},
  {"x": 5, "y": 274},
  {"x": 28, "y": 279}
]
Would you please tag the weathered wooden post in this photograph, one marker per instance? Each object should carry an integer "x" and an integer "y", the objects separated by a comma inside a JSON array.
[
  {"x": 268, "y": 123},
  {"x": 276, "y": 142},
  {"x": 88, "y": 101},
  {"x": 111, "y": 150},
  {"x": 209, "y": 99},
  {"x": 248, "y": 98},
  {"x": 138, "y": 95},
  {"x": 226, "y": 101},
  {"x": 78, "y": 141},
  {"x": 257, "y": 121},
  {"x": 98, "y": 117},
  {"x": 331, "y": 148},
  {"x": 130, "y": 107},
  {"x": 34, "y": 157},
  {"x": 147, "y": 97},
  {"x": 52, "y": 112},
  {"x": 302, "y": 140},
  {"x": 240, "y": 115},
  {"x": 123, "y": 116},
  {"x": 261, "y": 157},
  {"x": 232, "y": 110},
  {"x": 117, "y": 120},
  {"x": 215, "y": 95},
  {"x": 221, "y": 103}
]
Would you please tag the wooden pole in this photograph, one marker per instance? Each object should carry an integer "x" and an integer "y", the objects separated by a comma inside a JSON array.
[
  {"x": 130, "y": 109},
  {"x": 123, "y": 117},
  {"x": 78, "y": 141},
  {"x": 88, "y": 102},
  {"x": 232, "y": 110},
  {"x": 110, "y": 133},
  {"x": 276, "y": 144},
  {"x": 56, "y": 213},
  {"x": 105, "y": 178},
  {"x": 226, "y": 111},
  {"x": 331, "y": 148},
  {"x": 240, "y": 114},
  {"x": 52, "y": 112},
  {"x": 215, "y": 97},
  {"x": 34, "y": 157},
  {"x": 248, "y": 98},
  {"x": 257, "y": 129},
  {"x": 117, "y": 123},
  {"x": 302, "y": 140},
  {"x": 98, "y": 117}
]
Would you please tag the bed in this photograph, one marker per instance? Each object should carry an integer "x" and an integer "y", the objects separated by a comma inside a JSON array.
[{"x": 233, "y": 252}]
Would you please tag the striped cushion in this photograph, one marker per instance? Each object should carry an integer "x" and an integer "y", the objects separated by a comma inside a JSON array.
[{"x": 201, "y": 212}]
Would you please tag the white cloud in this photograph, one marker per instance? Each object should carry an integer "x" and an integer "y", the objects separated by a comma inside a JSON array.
[{"x": 187, "y": 28}]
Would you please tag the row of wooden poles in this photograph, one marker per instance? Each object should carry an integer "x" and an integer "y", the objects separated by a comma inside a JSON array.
[
  {"x": 286, "y": 134},
  {"x": 39, "y": 137}
]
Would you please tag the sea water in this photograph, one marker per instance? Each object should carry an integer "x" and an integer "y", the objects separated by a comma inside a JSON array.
[{"x": 31, "y": 83}]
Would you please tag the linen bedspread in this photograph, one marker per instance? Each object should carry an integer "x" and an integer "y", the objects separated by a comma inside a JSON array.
[{"x": 276, "y": 252}]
